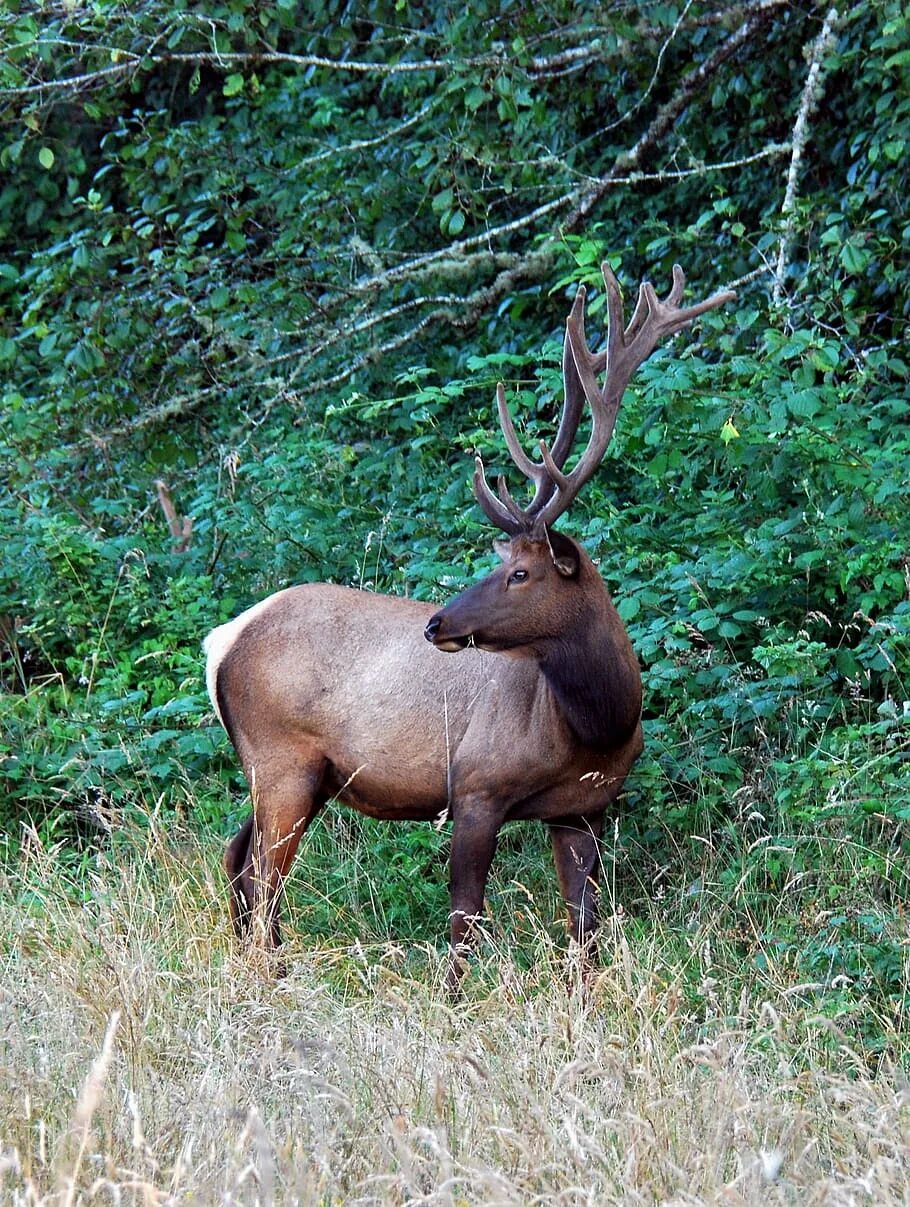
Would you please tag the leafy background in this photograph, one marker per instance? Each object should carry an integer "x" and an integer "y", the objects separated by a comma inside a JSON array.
[{"x": 278, "y": 256}]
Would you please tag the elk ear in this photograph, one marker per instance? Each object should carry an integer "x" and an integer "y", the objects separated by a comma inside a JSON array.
[
  {"x": 502, "y": 549},
  {"x": 564, "y": 554}
]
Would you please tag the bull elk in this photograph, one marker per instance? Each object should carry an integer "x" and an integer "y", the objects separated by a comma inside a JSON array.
[{"x": 328, "y": 692}]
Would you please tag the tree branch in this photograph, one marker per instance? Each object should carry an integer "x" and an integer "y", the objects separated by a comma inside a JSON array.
[
  {"x": 670, "y": 111},
  {"x": 181, "y": 530},
  {"x": 364, "y": 143},
  {"x": 377, "y": 316},
  {"x": 540, "y": 65},
  {"x": 812, "y": 92}
]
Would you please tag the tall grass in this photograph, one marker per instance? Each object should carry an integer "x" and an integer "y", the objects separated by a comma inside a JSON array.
[{"x": 144, "y": 1060}]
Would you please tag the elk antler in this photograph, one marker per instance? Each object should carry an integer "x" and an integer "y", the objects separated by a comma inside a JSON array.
[{"x": 627, "y": 348}]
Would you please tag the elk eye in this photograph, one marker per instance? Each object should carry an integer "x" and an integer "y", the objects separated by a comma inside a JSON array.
[{"x": 518, "y": 576}]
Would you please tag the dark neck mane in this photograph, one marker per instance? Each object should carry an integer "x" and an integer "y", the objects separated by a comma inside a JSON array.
[{"x": 597, "y": 691}]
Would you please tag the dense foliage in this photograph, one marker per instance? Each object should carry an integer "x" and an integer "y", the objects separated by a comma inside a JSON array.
[{"x": 278, "y": 258}]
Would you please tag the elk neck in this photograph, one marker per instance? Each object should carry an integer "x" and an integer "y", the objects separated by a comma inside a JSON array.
[{"x": 592, "y": 671}]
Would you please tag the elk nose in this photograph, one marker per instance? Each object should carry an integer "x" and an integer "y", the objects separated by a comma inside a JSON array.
[{"x": 432, "y": 627}]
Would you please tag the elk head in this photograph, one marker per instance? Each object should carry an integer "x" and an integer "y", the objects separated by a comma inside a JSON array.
[{"x": 531, "y": 597}]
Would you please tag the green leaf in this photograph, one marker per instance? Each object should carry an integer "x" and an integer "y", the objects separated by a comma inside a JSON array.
[
  {"x": 46, "y": 158},
  {"x": 233, "y": 84},
  {"x": 853, "y": 258},
  {"x": 628, "y": 607},
  {"x": 728, "y": 432},
  {"x": 803, "y": 404},
  {"x": 443, "y": 201},
  {"x": 901, "y": 59}
]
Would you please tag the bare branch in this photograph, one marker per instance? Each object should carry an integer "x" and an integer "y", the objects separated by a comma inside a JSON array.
[
  {"x": 377, "y": 324},
  {"x": 691, "y": 85},
  {"x": 455, "y": 251},
  {"x": 130, "y": 61},
  {"x": 371, "y": 355},
  {"x": 181, "y": 530},
  {"x": 772, "y": 151},
  {"x": 364, "y": 143},
  {"x": 135, "y": 62},
  {"x": 812, "y": 92}
]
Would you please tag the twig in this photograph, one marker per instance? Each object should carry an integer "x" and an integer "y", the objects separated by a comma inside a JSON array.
[
  {"x": 702, "y": 169},
  {"x": 363, "y": 143},
  {"x": 763, "y": 270},
  {"x": 372, "y": 354},
  {"x": 346, "y": 331},
  {"x": 655, "y": 73},
  {"x": 472, "y": 306},
  {"x": 454, "y": 251},
  {"x": 246, "y": 58}
]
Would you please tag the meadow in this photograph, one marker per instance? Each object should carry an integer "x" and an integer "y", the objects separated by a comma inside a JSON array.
[{"x": 146, "y": 1060}]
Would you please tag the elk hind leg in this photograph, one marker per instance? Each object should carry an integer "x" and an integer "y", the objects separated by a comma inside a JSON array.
[
  {"x": 236, "y": 860},
  {"x": 283, "y": 807}
]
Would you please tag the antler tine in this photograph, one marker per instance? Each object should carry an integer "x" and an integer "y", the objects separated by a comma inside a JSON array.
[
  {"x": 674, "y": 297},
  {"x": 516, "y": 452},
  {"x": 573, "y": 398},
  {"x": 627, "y": 348},
  {"x": 652, "y": 321},
  {"x": 492, "y": 507},
  {"x": 641, "y": 312},
  {"x": 560, "y": 480},
  {"x": 504, "y": 511},
  {"x": 535, "y": 471},
  {"x": 604, "y": 408},
  {"x": 548, "y": 473},
  {"x": 615, "y": 320},
  {"x": 509, "y": 503}
]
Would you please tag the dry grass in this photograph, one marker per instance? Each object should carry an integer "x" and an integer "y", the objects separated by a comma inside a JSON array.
[{"x": 143, "y": 1061}]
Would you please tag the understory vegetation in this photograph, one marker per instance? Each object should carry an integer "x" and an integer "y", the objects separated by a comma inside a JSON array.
[{"x": 261, "y": 268}]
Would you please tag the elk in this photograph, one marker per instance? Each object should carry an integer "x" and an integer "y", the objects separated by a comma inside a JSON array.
[{"x": 332, "y": 693}]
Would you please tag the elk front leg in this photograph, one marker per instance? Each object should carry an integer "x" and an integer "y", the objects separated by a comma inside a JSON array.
[
  {"x": 576, "y": 854},
  {"x": 473, "y": 845}
]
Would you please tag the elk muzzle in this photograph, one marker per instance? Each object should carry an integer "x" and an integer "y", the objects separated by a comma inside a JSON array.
[{"x": 436, "y": 634}]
